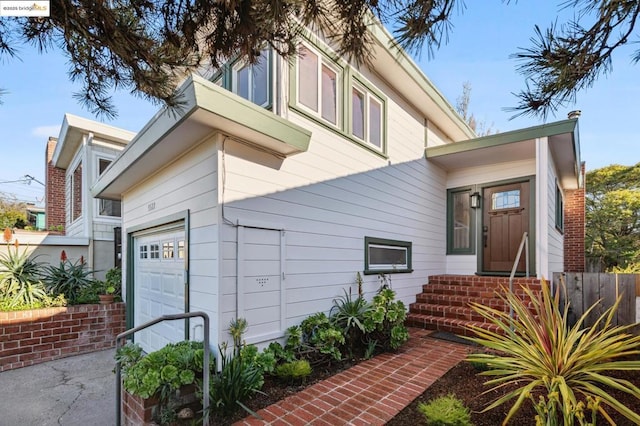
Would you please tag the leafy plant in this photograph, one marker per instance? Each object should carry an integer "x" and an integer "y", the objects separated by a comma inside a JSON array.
[
  {"x": 348, "y": 313},
  {"x": 113, "y": 281},
  {"x": 294, "y": 370},
  {"x": 47, "y": 302},
  {"x": 445, "y": 411},
  {"x": 162, "y": 371},
  {"x": 566, "y": 367},
  {"x": 384, "y": 322},
  {"x": 68, "y": 278},
  {"x": 241, "y": 373},
  {"x": 322, "y": 336},
  {"x": 20, "y": 282}
]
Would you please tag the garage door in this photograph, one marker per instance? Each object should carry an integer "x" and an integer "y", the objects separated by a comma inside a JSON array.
[{"x": 159, "y": 272}]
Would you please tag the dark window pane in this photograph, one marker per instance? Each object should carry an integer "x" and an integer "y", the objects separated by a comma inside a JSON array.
[{"x": 385, "y": 255}]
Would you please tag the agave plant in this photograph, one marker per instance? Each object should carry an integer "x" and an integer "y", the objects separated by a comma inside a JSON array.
[
  {"x": 562, "y": 370},
  {"x": 20, "y": 282},
  {"x": 68, "y": 278}
]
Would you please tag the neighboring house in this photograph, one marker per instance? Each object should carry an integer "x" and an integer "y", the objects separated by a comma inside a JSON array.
[
  {"x": 82, "y": 152},
  {"x": 276, "y": 182}
]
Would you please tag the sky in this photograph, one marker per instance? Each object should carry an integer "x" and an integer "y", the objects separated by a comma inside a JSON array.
[{"x": 480, "y": 44}]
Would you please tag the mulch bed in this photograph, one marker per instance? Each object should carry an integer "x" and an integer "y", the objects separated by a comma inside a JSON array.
[{"x": 463, "y": 381}]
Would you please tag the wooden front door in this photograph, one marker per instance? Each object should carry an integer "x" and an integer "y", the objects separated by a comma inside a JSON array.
[{"x": 505, "y": 218}]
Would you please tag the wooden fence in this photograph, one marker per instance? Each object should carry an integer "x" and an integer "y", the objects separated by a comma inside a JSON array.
[{"x": 582, "y": 290}]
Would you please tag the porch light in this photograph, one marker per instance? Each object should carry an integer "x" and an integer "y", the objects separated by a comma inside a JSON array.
[{"x": 475, "y": 200}]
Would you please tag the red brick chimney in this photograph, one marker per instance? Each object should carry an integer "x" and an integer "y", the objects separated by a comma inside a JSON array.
[
  {"x": 574, "y": 227},
  {"x": 54, "y": 190}
]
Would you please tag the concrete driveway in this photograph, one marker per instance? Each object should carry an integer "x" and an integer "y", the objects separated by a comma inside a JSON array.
[{"x": 72, "y": 391}]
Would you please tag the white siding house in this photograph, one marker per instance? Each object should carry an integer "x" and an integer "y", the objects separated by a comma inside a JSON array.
[
  {"x": 84, "y": 150},
  {"x": 271, "y": 197}
]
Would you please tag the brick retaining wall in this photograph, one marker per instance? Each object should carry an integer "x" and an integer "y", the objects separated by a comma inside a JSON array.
[{"x": 35, "y": 336}]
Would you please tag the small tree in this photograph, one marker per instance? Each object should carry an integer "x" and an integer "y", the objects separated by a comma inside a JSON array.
[
  {"x": 13, "y": 213},
  {"x": 613, "y": 217}
]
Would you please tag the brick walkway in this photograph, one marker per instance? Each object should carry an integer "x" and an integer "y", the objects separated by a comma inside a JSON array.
[{"x": 372, "y": 392}]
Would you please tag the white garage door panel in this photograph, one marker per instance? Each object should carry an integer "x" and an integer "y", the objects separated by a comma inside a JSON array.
[{"x": 159, "y": 287}]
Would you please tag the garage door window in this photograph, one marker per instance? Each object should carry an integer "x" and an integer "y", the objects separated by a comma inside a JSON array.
[
  {"x": 144, "y": 252},
  {"x": 181, "y": 249},
  {"x": 154, "y": 251},
  {"x": 167, "y": 250}
]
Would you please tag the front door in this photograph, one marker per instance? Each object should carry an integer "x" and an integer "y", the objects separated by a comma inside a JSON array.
[{"x": 505, "y": 219}]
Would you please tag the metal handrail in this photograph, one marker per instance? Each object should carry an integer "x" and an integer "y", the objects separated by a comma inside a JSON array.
[
  {"x": 524, "y": 243},
  {"x": 205, "y": 364}
]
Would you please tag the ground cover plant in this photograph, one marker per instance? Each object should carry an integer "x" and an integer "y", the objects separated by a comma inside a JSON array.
[{"x": 248, "y": 379}]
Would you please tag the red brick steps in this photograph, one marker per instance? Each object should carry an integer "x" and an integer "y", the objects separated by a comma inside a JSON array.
[{"x": 444, "y": 303}]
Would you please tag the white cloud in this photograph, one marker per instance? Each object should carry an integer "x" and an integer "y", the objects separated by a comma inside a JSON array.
[{"x": 46, "y": 131}]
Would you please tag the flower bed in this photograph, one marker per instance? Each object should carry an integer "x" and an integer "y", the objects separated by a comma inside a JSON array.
[{"x": 34, "y": 336}]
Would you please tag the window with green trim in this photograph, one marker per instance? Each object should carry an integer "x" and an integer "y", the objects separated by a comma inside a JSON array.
[
  {"x": 318, "y": 82},
  {"x": 460, "y": 221},
  {"x": 388, "y": 256},
  {"x": 253, "y": 81},
  {"x": 559, "y": 209},
  {"x": 366, "y": 116}
]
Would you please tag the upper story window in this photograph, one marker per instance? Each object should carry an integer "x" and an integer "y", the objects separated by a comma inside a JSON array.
[
  {"x": 318, "y": 83},
  {"x": 76, "y": 192},
  {"x": 253, "y": 81},
  {"x": 366, "y": 116},
  {"x": 110, "y": 208}
]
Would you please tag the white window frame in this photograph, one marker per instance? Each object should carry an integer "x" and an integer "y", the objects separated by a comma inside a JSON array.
[
  {"x": 366, "y": 125},
  {"x": 328, "y": 63},
  {"x": 239, "y": 65},
  {"x": 99, "y": 202}
]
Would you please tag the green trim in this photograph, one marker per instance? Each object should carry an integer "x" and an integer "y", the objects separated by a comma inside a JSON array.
[
  {"x": 357, "y": 80},
  {"x": 224, "y": 111},
  {"x": 345, "y": 81},
  {"x": 387, "y": 242},
  {"x": 175, "y": 218},
  {"x": 544, "y": 130},
  {"x": 413, "y": 71},
  {"x": 532, "y": 223},
  {"x": 472, "y": 221},
  {"x": 229, "y": 72},
  {"x": 559, "y": 206}
]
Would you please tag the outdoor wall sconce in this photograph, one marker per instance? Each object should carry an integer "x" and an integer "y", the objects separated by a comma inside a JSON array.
[{"x": 475, "y": 200}]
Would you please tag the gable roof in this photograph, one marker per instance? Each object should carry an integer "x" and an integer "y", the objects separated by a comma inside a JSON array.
[{"x": 72, "y": 131}]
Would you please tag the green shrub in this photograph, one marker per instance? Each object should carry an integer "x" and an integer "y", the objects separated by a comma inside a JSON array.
[
  {"x": 68, "y": 278},
  {"x": 565, "y": 367},
  {"x": 47, "y": 302},
  {"x": 160, "y": 372},
  {"x": 90, "y": 293},
  {"x": 445, "y": 411},
  {"x": 319, "y": 335},
  {"x": 294, "y": 370},
  {"x": 384, "y": 322},
  {"x": 241, "y": 374},
  {"x": 113, "y": 282},
  {"x": 20, "y": 283},
  {"x": 348, "y": 314}
]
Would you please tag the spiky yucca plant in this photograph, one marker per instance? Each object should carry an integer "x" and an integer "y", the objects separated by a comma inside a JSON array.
[
  {"x": 561, "y": 369},
  {"x": 20, "y": 281}
]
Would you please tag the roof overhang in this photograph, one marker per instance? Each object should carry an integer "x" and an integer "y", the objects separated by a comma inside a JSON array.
[
  {"x": 414, "y": 85},
  {"x": 75, "y": 128},
  {"x": 205, "y": 109},
  {"x": 564, "y": 143}
]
